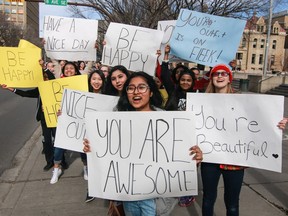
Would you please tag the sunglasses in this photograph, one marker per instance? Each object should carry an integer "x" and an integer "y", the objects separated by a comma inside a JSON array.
[{"x": 223, "y": 74}]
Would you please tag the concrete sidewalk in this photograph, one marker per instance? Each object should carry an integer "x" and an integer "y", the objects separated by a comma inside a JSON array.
[{"x": 25, "y": 190}]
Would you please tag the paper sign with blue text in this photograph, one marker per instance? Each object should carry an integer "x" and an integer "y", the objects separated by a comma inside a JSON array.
[
  {"x": 140, "y": 155},
  {"x": 71, "y": 129},
  {"x": 51, "y": 93},
  {"x": 132, "y": 46},
  {"x": 206, "y": 39},
  {"x": 72, "y": 39},
  {"x": 239, "y": 129},
  {"x": 19, "y": 67}
]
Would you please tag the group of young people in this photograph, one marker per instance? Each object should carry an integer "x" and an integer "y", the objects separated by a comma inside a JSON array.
[{"x": 138, "y": 91}]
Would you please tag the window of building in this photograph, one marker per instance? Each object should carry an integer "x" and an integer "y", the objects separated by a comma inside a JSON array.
[
  {"x": 20, "y": 18},
  {"x": 255, "y": 43},
  {"x": 13, "y": 19},
  {"x": 253, "y": 58},
  {"x": 274, "y": 44},
  {"x": 272, "y": 59},
  {"x": 275, "y": 30},
  {"x": 262, "y": 43},
  {"x": 244, "y": 42},
  {"x": 260, "y": 28},
  {"x": 261, "y": 59},
  {"x": 239, "y": 56}
]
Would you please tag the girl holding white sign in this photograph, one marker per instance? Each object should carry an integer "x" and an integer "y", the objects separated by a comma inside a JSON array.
[
  {"x": 69, "y": 69},
  {"x": 177, "y": 101},
  {"x": 220, "y": 82},
  {"x": 96, "y": 84},
  {"x": 140, "y": 93}
]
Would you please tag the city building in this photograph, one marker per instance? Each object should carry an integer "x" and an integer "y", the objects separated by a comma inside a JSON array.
[
  {"x": 21, "y": 12},
  {"x": 282, "y": 18},
  {"x": 251, "y": 52}
]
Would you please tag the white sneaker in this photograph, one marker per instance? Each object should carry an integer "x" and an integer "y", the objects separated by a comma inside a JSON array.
[
  {"x": 85, "y": 169},
  {"x": 56, "y": 173}
]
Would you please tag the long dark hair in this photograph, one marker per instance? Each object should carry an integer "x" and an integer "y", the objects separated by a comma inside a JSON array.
[
  {"x": 100, "y": 73},
  {"x": 179, "y": 93},
  {"x": 109, "y": 88},
  {"x": 173, "y": 74},
  {"x": 77, "y": 72},
  {"x": 155, "y": 100}
]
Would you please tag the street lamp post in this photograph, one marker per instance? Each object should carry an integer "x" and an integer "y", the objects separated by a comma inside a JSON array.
[{"x": 268, "y": 38}]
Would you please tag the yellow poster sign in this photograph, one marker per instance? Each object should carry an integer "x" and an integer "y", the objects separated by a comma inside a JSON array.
[
  {"x": 51, "y": 95},
  {"x": 26, "y": 44},
  {"x": 19, "y": 67}
]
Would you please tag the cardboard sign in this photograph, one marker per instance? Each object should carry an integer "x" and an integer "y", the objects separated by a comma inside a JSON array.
[
  {"x": 140, "y": 155},
  {"x": 239, "y": 129},
  {"x": 51, "y": 95},
  {"x": 206, "y": 39},
  {"x": 71, "y": 128},
  {"x": 19, "y": 67},
  {"x": 132, "y": 46},
  {"x": 70, "y": 38}
]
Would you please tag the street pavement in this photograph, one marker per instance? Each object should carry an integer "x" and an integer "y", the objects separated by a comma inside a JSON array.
[{"x": 25, "y": 189}]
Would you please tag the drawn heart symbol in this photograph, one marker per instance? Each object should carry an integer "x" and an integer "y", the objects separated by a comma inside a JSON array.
[{"x": 275, "y": 155}]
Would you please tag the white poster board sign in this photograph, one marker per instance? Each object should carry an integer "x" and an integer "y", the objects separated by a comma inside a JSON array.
[
  {"x": 206, "y": 39},
  {"x": 140, "y": 155},
  {"x": 167, "y": 26},
  {"x": 132, "y": 46},
  {"x": 239, "y": 129},
  {"x": 71, "y": 129},
  {"x": 72, "y": 39}
]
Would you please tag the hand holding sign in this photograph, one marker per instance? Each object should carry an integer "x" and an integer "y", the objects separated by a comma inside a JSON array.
[
  {"x": 131, "y": 46},
  {"x": 241, "y": 130}
]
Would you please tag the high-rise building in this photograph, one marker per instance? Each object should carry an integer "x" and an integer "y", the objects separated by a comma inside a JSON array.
[{"x": 21, "y": 12}]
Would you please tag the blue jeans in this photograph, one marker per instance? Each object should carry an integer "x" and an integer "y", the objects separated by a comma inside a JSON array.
[
  {"x": 140, "y": 208},
  {"x": 232, "y": 186},
  {"x": 59, "y": 155}
]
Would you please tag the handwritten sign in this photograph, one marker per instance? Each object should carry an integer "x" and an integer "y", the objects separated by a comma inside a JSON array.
[
  {"x": 26, "y": 44},
  {"x": 51, "y": 95},
  {"x": 19, "y": 67},
  {"x": 70, "y": 38},
  {"x": 167, "y": 26},
  {"x": 71, "y": 129},
  {"x": 204, "y": 38},
  {"x": 132, "y": 46},
  {"x": 239, "y": 130},
  {"x": 140, "y": 155}
]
